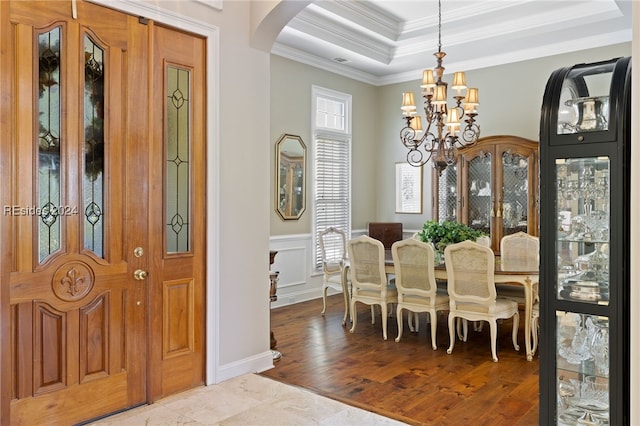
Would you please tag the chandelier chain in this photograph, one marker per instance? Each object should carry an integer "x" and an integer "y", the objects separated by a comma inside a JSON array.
[{"x": 439, "y": 26}]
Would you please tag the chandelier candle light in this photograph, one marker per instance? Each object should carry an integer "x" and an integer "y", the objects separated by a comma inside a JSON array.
[{"x": 443, "y": 136}]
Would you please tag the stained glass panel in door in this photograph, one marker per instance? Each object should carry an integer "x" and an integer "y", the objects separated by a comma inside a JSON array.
[
  {"x": 178, "y": 160},
  {"x": 93, "y": 146},
  {"x": 48, "y": 105}
]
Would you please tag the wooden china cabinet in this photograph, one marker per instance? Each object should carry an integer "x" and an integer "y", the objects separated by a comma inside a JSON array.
[{"x": 494, "y": 187}]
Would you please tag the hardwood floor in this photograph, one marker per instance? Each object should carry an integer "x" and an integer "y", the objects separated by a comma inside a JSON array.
[{"x": 406, "y": 381}]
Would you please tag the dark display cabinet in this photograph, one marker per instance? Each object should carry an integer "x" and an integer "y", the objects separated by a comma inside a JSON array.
[{"x": 584, "y": 245}]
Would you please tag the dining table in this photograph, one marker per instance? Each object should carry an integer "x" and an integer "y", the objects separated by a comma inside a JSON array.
[{"x": 514, "y": 272}]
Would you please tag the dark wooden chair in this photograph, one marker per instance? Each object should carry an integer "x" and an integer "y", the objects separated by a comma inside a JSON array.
[{"x": 386, "y": 232}]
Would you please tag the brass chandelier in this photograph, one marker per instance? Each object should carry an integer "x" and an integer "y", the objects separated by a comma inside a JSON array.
[{"x": 443, "y": 136}]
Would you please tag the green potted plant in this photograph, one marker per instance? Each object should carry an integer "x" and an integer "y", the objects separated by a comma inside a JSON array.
[{"x": 441, "y": 234}]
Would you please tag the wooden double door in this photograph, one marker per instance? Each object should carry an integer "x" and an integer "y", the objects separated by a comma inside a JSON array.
[{"x": 102, "y": 148}]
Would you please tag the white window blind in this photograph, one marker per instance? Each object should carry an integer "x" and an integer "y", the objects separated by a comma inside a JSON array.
[{"x": 332, "y": 190}]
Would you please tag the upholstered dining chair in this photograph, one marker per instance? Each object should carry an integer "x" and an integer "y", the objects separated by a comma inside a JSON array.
[
  {"x": 369, "y": 284},
  {"x": 517, "y": 248},
  {"x": 416, "y": 284},
  {"x": 333, "y": 247},
  {"x": 472, "y": 291},
  {"x": 484, "y": 240}
]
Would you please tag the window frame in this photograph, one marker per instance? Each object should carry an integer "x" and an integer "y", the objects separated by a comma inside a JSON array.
[{"x": 320, "y": 133}]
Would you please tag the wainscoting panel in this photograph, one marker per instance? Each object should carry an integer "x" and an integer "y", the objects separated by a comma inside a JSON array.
[{"x": 297, "y": 281}]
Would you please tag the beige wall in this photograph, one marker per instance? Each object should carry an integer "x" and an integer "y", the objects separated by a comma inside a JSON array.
[{"x": 290, "y": 109}]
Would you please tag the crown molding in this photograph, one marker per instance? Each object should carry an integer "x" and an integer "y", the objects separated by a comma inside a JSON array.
[{"x": 323, "y": 64}]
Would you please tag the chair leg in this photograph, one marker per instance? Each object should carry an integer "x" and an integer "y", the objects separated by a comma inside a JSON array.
[
  {"x": 383, "y": 308},
  {"x": 462, "y": 327},
  {"x": 413, "y": 319},
  {"x": 434, "y": 324},
  {"x": 399, "y": 318},
  {"x": 345, "y": 296},
  {"x": 346, "y": 312},
  {"x": 324, "y": 299},
  {"x": 514, "y": 333},
  {"x": 452, "y": 334},
  {"x": 354, "y": 316},
  {"x": 493, "y": 326},
  {"x": 534, "y": 335},
  {"x": 373, "y": 314}
]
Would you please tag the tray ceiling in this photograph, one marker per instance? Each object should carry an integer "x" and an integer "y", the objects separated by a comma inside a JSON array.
[{"x": 388, "y": 41}]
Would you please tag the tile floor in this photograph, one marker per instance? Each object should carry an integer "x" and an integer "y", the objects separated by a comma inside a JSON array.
[{"x": 247, "y": 400}]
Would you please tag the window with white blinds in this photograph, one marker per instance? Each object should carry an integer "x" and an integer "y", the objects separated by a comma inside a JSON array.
[{"x": 332, "y": 167}]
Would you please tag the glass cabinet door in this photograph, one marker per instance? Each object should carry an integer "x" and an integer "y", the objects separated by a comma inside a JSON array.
[
  {"x": 582, "y": 355},
  {"x": 480, "y": 206},
  {"x": 582, "y": 362},
  {"x": 582, "y": 215},
  {"x": 447, "y": 198},
  {"x": 515, "y": 201}
]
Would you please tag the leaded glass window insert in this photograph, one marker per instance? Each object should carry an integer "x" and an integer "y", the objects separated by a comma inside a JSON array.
[
  {"x": 93, "y": 194},
  {"x": 480, "y": 206},
  {"x": 178, "y": 167},
  {"x": 515, "y": 193},
  {"x": 448, "y": 194},
  {"x": 49, "y": 160}
]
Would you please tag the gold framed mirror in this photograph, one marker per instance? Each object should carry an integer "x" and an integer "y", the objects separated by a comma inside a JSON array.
[{"x": 291, "y": 156}]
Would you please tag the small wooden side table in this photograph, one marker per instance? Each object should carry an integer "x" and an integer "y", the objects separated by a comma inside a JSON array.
[{"x": 273, "y": 289}]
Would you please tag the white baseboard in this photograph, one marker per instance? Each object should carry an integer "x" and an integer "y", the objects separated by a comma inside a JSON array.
[{"x": 255, "y": 364}]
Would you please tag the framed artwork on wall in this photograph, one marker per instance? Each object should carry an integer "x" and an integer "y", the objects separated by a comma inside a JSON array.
[{"x": 408, "y": 189}]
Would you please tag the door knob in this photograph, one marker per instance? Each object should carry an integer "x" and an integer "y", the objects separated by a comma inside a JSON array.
[{"x": 139, "y": 274}]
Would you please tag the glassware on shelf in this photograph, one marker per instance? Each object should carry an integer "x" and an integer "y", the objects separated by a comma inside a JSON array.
[
  {"x": 566, "y": 390},
  {"x": 600, "y": 347},
  {"x": 576, "y": 348},
  {"x": 583, "y": 401},
  {"x": 584, "y": 337}
]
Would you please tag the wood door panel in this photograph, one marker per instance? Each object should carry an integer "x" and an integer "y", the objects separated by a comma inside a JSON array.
[
  {"x": 94, "y": 342},
  {"x": 75, "y": 404},
  {"x": 50, "y": 343},
  {"x": 178, "y": 329},
  {"x": 38, "y": 285},
  {"x": 74, "y": 304}
]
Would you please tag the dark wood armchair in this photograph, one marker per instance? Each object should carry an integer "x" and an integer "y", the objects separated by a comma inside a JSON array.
[{"x": 387, "y": 232}]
